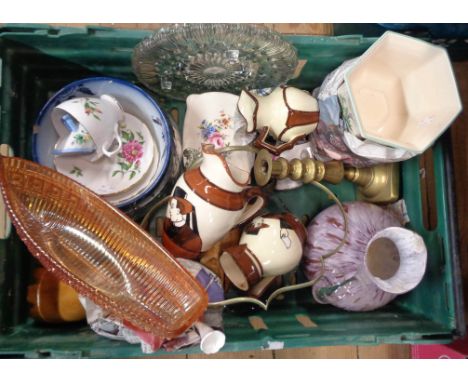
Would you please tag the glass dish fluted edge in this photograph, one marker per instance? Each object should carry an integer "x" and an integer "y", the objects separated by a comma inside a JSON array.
[
  {"x": 29, "y": 188},
  {"x": 186, "y": 59}
]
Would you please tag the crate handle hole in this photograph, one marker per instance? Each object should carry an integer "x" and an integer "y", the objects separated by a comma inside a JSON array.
[
  {"x": 257, "y": 323},
  {"x": 305, "y": 321}
]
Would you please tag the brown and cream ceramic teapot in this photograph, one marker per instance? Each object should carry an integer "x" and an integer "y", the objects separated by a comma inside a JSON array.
[
  {"x": 287, "y": 114},
  {"x": 206, "y": 203}
]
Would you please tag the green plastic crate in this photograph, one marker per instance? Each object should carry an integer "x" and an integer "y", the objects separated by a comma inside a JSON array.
[{"x": 36, "y": 61}]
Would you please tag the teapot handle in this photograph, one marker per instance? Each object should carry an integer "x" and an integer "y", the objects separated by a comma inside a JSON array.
[
  {"x": 256, "y": 200},
  {"x": 276, "y": 150}
]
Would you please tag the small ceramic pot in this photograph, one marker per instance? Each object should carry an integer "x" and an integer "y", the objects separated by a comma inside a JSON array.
[
  {"x": 207, "y": 202},
  {"x": 287, "y": 114},
  {"x": 270, "y": 245},
  {"x": 85, "y": 120}
]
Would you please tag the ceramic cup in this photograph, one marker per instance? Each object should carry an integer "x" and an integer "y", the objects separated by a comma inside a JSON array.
[
  {"x": 78, "y": 140},
  {"x": 287, "y": 114},
  {"x": 270, "y": 245},
  {"x": 206, "y": 203},
  {"x": 88, "y": 122}
]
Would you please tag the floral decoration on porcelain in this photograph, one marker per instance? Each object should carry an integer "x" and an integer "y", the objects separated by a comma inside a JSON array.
[
  {"x": 215, "y": 131},
  {"x": 92, "y": 109},
  {"x": 131, "y": 153},
  {"x": 81, "y": 138},
  {"x": 76, "y": 171}
]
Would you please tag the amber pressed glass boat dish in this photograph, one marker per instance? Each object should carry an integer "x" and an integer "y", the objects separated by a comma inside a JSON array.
[{"x": 94, "y": 248}]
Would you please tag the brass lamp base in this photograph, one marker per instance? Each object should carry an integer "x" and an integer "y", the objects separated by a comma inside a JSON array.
[
  {"x": 377, "y": 184},
  {"x": 305, "y": 170}
]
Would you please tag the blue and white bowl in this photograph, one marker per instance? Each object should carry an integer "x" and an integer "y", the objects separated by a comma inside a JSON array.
[{"x": 134, "y": 101}]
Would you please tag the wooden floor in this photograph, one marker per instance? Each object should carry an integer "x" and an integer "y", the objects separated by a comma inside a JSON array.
[
  {"x": 335, "y": 352},
  {"x": 460, "y": 153}
]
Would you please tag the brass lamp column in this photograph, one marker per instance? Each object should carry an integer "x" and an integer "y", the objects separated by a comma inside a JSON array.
[{"x": 377, "y": 184}]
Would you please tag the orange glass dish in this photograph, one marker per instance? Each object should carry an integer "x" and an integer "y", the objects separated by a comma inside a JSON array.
[{"x": 98, "y": 251}]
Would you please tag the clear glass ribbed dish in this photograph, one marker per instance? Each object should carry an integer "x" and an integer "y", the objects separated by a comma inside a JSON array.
[
  {"x": 94, "y": 248},
  {"x": 196, "y": 58}
]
